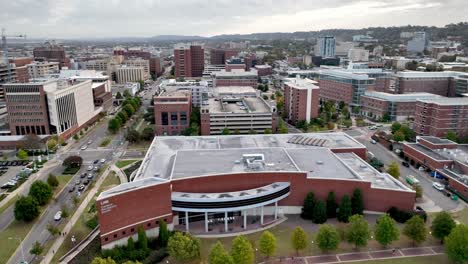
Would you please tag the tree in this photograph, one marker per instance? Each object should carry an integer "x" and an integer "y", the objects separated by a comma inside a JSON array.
[
  {"x": 130, "y": 244},
  {"x": 319, "y": 215},
  {"x": 118, "y": 95},
  {"x": 64, "y": 210},
  {"x": 26, "y": 209},
  {"x": 142, "y": 239},
  {"x": 357, "y": 203},
  {"x": 31, "y": 141},
  {"x": 394, "y": 170},
  {"x": 386, "y": 117},
  {"x": 163, "y": 234},
  {"x": 22, "y": 154},
  {"x": 452, "y": 136},
  {"x": 123, "y": 116},
  {"x": 442, "y": 225},
  {"x": 98, "y": 260},
  {"x": 267, "y": 131},
  {"x": 183, "y": 247},
  {"x": 36, "y": 249},
  {"x": 147, "y": 133},
  {"x": 328, "y": 238},
  {"x": 415, "y": 229},
  {"x": 456, "y": 244},
  {"x": 331, "y": 205},
  {"x": 419, "y": 191},
  {"x": 225, "y": 131},
  {"x": 308, "y": 207},
  {"x": 41, "y": 192},
  {"x": 242, "y": 251},
  {"x": 395, "y": 126},
  {"x": 267, "y": 244},
  {"x": 299, "y": 239},
  {"x": 76, "y": 137},
  {"x": 52, "y": 144},
  {"x": 132, "y": 136},
  {"x": 52, "y": 180},
  {"x": 126, "y": 94},
  {"x": 53, "y": 230},
  {"x": 218, "y": 255},
  {"x": 344, "y": 211},
  {"x": 358, "y": 232},
  {"x": 114, "y": 125},
  {"x": 72, "y": 162},
  {"x": 386, "y": 230},
  {"x": 398, "y": 136}
]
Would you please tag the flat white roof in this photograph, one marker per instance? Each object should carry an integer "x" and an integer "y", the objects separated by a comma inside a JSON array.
[
  {"x": 300, "y": 83},
  {"x": 409, "y": 97},
  {"x": 447, "y": 101}
]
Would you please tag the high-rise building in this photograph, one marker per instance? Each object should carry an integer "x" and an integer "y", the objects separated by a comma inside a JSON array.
[
  {"x": 172, "y": 112},
  {"x": 327, "y": 46},
  {"x": 156, "y": 65},
  {"x": 219, "y": 56},
  {"x": 189, "y": 60},
  {"x": 301, "y": 99},
  {"x": 419, "y": 43},
  {"x": 461, "y": 85},
  {"x": 52, "y": 52}
]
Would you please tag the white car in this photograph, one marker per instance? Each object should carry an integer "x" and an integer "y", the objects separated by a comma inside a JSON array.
[
  {"x": 90, "y": 168},
  {"x": 103, "y": 161},
  {"x": 90, "y": 142},
  {"x": 58, "y": 216},
  {"x": 84, "y": 147},
  {"x": 438, "y": 186}
]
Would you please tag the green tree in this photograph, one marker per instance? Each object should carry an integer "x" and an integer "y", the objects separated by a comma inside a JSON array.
[
  {"x": 267, "y": 131},
  {"x": 225, "y": 131},
  {"x": 357, "y": 202},
  {"x": 76, "y": 137},
  {"x": 114, "y": 125},
  {"x": 395, "y": 126},
  {"x": 183, "y": 247},
  {"x": 219, "y": 255},
  {"x": 123, "y": 116},
  {"x": 452, "y": 136},
  {"x": 267, "y": 244},
  {"x": 72, "y": 161},
  {"x": 52, "y": 180},
  {"x": 53, "y": 230},
  {"x": 419, "y": 191},
  {"x": 142, "y": 239},
  {"x": 242, "y": 251},
  {"x": 456, "y": 244},
  {"x": 344, "y": 211},
  {"x": 331, "y": 205},
  {"x": 132, "y": 136},
  {"x": 118, "y": 96},
  {"x": 64, "y": 209},
  {"x": 147, "y": 133},
  {"x": 52, "y": 144},
  {"x": 415, "y": 229},
  {"x": 99, "y": 260},
  {"x": 442, "y": 225},
  {"x": 26, "y": 209},
  {"x": 129, "y": 109},
  {"x": 130, "y": 244},
  {"x": 319, "y": 215},
  {"x": 36, "y": 249},
  {"x": 398, "y": 136},
  {"x": 386, "y": 230},
  {"x": 126, "y": 94},
  {"x": 22, "y": 154},
  {"x": 299, "y": 239},
  {"x": 358, "y": 232},
  {"x": 163, "y": 233},
  {"x": 308, "y": 207},
  {"x": 394, "y": 170},
  {"x": 328, "y": 238},
  {"x": 41, "y": 192}
]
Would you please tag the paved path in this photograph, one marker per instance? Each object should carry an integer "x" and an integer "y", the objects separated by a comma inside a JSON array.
[
  {"x": 362, "y": 256},
  {"x": 120, "y": 173}
]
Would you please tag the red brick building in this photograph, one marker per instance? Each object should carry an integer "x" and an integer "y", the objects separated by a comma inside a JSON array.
[
  {"x": 172, "y": 112},
  {"x": 241, "y": 182},
  {"x": 51, "y": 52},
  {"x": 21, "y": 61},
  {"x": 133, "y": 53},
  {"x": 435, "y": 117},
  {"x": 441, "y": 83},
  {"x": 264, "y": 70},
  {"x": 220, "y": 56},
  {"x": 301, "y": 99},
  {"x": 189, "y": 60},
  {"x": 235, "y": 77},
  {"x": 156, "y": 66},
  {"x": 101, "y": 96},
  {"x": 442, "y": 157}
]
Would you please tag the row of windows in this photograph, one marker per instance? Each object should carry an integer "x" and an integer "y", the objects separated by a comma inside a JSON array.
[
  {"x": 24, "y": 130},
  {"x": 176, "y": 118},
  {"x": 22, "y": 107},
  {"x": 133, "y": 229},
  {"x": 22, "y": 89},
  {"x": 25, "y": 113},
  {"x": 23, "y": 98}
]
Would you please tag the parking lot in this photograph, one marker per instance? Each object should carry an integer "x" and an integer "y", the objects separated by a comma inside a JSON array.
[{"x": 9, "y": 172}]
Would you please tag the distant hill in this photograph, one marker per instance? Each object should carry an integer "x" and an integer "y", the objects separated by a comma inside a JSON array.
[{"x": 176, "y": 38}]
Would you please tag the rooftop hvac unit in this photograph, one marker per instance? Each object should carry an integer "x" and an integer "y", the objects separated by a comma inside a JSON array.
[{"x": 319, "y": 162}]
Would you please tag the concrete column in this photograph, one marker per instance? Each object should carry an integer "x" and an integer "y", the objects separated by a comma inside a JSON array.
[
  {"x": 245, "y": 219},
  {"x": 276, "y": 210},
  {"x": 186, "y": 221},
  {"x": 261, "y": 216},
  {"x": 206, "y": 222},
  {"x": 225, "y": 221}
]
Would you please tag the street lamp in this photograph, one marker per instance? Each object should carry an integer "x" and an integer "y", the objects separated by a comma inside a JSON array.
[{"x": 21, "y": 245}]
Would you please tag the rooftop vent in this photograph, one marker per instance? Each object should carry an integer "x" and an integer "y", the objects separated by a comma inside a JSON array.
[
  {"x": 319, "y": 162},
  {"x": 224, "y": 195}
]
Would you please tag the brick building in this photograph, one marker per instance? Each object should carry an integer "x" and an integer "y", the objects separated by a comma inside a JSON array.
[
  {"x": 301, "y": 99},
  {"x": 244, "y": 182},
  {"x": 172, "y": 112},
  {"x": 133, "y": 53},
  {"x": 435, "y": 117},
  {"x": 189, "y": 60},
  {"x": 156, "y": 65},
  {"x": 264, "y": 70},
  {"x": 235, "y": 77},
  {"x": 52, "y": 52},
  {"x": 220, "y": 56},
  {"x": 441, "y": 83}
]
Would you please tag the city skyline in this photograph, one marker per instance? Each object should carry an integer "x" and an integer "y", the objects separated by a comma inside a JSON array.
[{"x": 145, "y": 18}]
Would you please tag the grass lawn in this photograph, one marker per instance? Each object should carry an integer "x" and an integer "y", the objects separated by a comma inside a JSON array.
[
  {"x": 8, "y": 246},
  {"x": 461, "y": 216},
  {"x": 123, "y": 163},
  {"x": 141, "y": 146},
  {"x": 8, "y": 204},
  {"x": 105, "y": 142},
  {"x": 441, "y": 259},
  {"x": 111, "y": 180}
]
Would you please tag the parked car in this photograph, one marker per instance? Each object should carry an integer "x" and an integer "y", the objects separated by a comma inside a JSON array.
[
  {"x": 373, "y": 141},
  {"x": 96, "y": 168},
  {"x": 77, "y": 182},
  {"x": 421, "y": 168},
  {"x": 95, "y": 161},
  {"x": 438, "y": 186},
  {"x": 90, "y": 176},
  {"x": 84, "y": 147},
  {"x": 103, "y": 161},
  {"x": 81, "y": 188},
  {"x": 58, "y": 216},
  {"x": 411, "y": 180},
  {"x": 404, "y": 163},
  {"x": 89, "y": 142},
  {"x": 71, "y": 189},
  {"x": 86, "y": 182},
  {"x": 90, "y": 168},
  {"x": 83, "y": 175}
]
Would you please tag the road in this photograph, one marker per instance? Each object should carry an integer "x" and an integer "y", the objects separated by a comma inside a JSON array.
[
  {"x": 39, "y": 231},
  {"x": 386, "y": 157}
]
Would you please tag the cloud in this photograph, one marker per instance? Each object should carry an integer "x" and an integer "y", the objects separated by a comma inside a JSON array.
[{"x": 109, "y": 18}]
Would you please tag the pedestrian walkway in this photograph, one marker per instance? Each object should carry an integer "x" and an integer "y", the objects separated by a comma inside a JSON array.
[
  {"x": 120, "y": 173},
  {"x": 363, "y": 256}
]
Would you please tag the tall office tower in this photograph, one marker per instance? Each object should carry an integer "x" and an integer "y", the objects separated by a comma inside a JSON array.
[
  {"x": 327, "y": 46},
  {"x": 189, "y": 60}
]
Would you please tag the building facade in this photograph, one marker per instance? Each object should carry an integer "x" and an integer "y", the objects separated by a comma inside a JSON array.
[
  {"x": 327, "y": 47},
  {"x": 125, "y": 74},
  {"x": 358, "y": 54},
  {"x": 172, "y": 112},
  {"x": 441, "y": 83},
  {"x": 189, "y": 60},
  {"x": 51, "y": 52},
  {"x": 139, "y": 63},
  {"x": 42, "y": 69},
  {"x": 235, "y": 78},
  {"x": 220, "y": 56},
  {"x": 301, "y": 99}
]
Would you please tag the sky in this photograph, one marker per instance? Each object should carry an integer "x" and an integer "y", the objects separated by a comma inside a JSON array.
[{"x": 145, "y": 18}]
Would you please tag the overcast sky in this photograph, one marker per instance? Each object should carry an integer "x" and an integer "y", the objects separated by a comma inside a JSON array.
[{"x": 143, "y": 18}]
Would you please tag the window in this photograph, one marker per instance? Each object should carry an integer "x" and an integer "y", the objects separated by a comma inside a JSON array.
[
  {"x": 148, "y": 224},
  {"x": 157, "y": 222},
  {"x": 115, "y": 235},
  {"x": 183, "y": 118},
  {"x": 132, "y": 230},
  {"x": 165, "y": 220},
  {"x": 173, "y": 118},
  {"x": 164, "y": 119},
  {"x": 123, "y": 232},
  {"x": 106, "y": 239}
]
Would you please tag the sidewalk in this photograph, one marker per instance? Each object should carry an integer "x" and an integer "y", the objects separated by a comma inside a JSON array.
[
  {"x": 58, "y": 242},
  {"x": 362, "y": 256},
  {"x": 119, "y": 172}
]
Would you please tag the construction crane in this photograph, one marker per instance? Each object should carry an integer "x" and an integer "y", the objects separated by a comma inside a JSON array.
[{"x": 5, "y": 52}]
